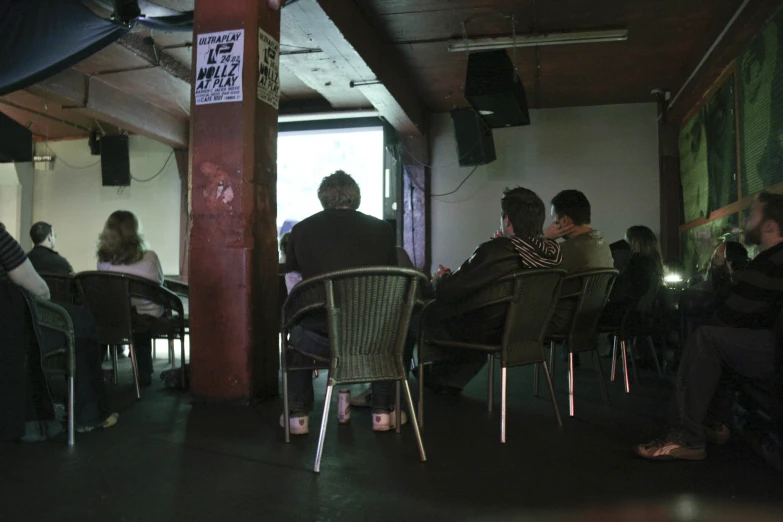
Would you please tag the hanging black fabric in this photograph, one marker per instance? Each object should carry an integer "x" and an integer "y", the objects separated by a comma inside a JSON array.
[{"x": 40, "y": 38}]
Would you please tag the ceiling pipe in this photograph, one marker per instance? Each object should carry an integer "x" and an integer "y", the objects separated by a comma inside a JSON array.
[{"x": 533, "y": 40}]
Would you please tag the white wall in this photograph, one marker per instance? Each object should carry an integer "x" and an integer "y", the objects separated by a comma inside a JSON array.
[
  {"x": 608, "y": 152},
  {"x": 10, "y": 196},
  {"x": 74, "y": 201}
]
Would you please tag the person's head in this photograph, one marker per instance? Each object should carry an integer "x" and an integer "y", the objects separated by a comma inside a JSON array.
[
  {"x": 42, "y": 234},
  {"x": 644, "y": 243},
  {"x": 736, "y": 255},
  {"x": 120, "y": 242},
  {"x": 521, "y": 212},
  {"x": 339, "y": 191},
  {"x": 571, "y": 208},
  {"x": 764, "y": 226},
  {"x": 284, "y": 245}
]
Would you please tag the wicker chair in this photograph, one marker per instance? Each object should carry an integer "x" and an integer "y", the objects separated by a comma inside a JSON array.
[
  {"x": 182, "y": 290},
  {"x": 368, "y": 312},
  {"x": 636, "y": 324},
  {"x": 62, "y": 361},
  {"x": 530, "y": 297},
  {"x": 107, "y": 295},
  {"x": 61, "y": 287},
  {"x": 594, "y": 289}
]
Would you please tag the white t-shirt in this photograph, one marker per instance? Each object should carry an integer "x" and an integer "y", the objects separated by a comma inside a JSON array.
[{"x": 148, "y": 268}]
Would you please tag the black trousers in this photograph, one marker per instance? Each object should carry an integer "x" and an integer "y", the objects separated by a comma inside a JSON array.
[
  {"x": 90, "y": 402},
  {"x": 454, "y": 367},
  {"x": 714, "y": 358}
]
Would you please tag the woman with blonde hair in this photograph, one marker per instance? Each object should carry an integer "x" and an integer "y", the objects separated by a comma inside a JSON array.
[{"x": 121, "y": 249}]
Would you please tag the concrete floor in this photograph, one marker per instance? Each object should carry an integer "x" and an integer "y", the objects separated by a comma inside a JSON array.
[{"x": 169, "y": 460}]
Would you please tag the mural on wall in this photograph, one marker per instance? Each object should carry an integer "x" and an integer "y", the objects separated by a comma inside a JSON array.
[{"x": 760, "y": 71}]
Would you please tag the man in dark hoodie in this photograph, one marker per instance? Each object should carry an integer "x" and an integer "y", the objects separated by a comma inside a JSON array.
[{"x": 518, "y": 245}]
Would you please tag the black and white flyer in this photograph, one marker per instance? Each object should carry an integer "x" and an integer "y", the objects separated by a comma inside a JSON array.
[
  {"x": 268, "y": 69},
  {"x": 219, "y": 63}
]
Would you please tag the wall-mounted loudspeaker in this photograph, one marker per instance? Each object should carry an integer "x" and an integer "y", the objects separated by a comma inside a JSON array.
[
  {"x": 16, "y": 141},
  {"x": 115, "y": 161},
  {"x": 494, "y": 89},
  {"x": 475, "y": 145}
]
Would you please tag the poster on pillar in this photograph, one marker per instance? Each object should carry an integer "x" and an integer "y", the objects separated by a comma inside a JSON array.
[
  {"x": 219, "y": 67},
  {"x": 268, "y": 69}
]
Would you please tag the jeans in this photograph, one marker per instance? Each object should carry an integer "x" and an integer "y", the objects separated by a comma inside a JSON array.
[
  {"x": 713, "y": 357},
  {"x": 300, "y": 382}
]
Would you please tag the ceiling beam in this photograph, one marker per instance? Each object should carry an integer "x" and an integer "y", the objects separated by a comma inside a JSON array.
[
  {"x": 340, "y": 30},
  {"x": 136, "y": 44},
  {"x": 78, "y": 91}
]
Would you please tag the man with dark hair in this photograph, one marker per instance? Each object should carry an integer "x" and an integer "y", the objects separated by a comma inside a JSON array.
[
  {"x": 42, "y": 256},
  {"x": 584, "y": 248},
  {"x": 338, "y": 238},
  {"x": 741, "y": 340},
  {"x": 518, "y": 245}
]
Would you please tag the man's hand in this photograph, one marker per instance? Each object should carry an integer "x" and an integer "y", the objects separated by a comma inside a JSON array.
[
  {"x": 442, "y": 270},
  {"x": 719, "y": 257},
  {"x": 555, "y": 231},
  {"x": 498, "y": 234}
]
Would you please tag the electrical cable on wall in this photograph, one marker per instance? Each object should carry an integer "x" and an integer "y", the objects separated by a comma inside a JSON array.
[
  {"x": 445, "y": 193},
  {"x": 157, "y": 173}
]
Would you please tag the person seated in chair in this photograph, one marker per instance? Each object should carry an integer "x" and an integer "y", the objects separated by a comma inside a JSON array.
[
  {"x": 584, "y": 248},
  {"x": 18, "y": 334},
  {"x": 42, "y": 256},
  {"x": 337, "y": 238},
  {"x": 518, "y": 245},
  {"x": 643, "y": 273},
  {"x": 741, "y": 341},
  {"x": 121, "y": 249}
]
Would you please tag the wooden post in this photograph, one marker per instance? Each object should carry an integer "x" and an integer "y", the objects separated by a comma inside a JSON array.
[
  {"x": 670, "y": 187},
  {"x": 233, "y": 239},
  {"x": 416, "y": 200}
]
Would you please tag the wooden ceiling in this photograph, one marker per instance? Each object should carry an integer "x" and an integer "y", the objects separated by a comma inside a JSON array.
[{"x": 151, "y": 69}]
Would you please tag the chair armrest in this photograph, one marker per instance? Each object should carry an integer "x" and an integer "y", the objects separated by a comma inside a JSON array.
[
  {"x": 56, "y": 318},
  {"x": 178, "y": 287},
  {"x": 146, "y": 289}
]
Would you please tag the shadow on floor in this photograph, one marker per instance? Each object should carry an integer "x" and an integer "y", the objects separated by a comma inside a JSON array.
[{"x": 169, "y": 460}]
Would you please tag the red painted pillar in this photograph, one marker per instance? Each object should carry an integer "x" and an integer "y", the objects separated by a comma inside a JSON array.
[{"x": 233, "y": 242}]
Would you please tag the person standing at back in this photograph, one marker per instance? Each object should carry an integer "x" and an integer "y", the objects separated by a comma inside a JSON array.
[
  {"x": 337, "y": 238},
  {"x": 584, "y": 248}
]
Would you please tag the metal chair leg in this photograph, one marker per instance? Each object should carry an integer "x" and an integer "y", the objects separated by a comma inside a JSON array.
[
  {"x": 397, "y": 407},
  {"x": 536, "y": 375},
  {"x": 570, "y": 383},
  {"x": 115, "y": 373},
  {"x": 503, "y": 383},
  {"x": 491, "y": 381},
  {"x": 415, "y": 423},
  {"x": 633, "y": 361},
  {"x": 154, "y": 349},
  {"x": 614, "y": 358},
  {"x": 655, "y": 356},
  {"x": 172, "y": 357},
  {"x": 286, "y": 412},
  {"x": 625, "y": 366},
  {"x": 135, "y": 367},
  {"x": 552, "y": 359},
  {"x": 600, "y": 371},
  {"x": 327, "y": 403},
  {"x": 552, "y": 394},
  {"x": 71, "y": 409},
  {"x": 184, "y": 379},
  {"x": 421, "y": 394}
]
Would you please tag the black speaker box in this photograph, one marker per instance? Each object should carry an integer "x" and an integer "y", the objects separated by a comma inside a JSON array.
[
  {"x": 493, "y": 88},
  {"x": 115, "y": 161},
  {"x": 475, "y": 145},
  {"x": 16, "y": 142}
]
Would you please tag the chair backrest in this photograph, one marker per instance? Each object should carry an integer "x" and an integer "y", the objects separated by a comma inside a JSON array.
[
  {"x": 368, "y": 312},
  {"x": 55, "y": 317},
  {"x": 595, "y": 286},
  {"x": 61, "y": 287},
  {"x": 530, "y": 307},
  {"x": 106, "y": 295},
  {"x": 636, "y": 320}
]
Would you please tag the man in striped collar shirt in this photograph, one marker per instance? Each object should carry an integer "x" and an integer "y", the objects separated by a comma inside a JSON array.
[
  {"x": 742, "y": 341},
  {"x": 518, "y": 245}
]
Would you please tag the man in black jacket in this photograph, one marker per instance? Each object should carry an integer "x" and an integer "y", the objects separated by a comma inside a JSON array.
[
  {"x": 42, "y": 256},
  {"x": 741, "y": 341},
  {"x": 518, "y": 245},
  {"x": 338, "y": 238}
]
